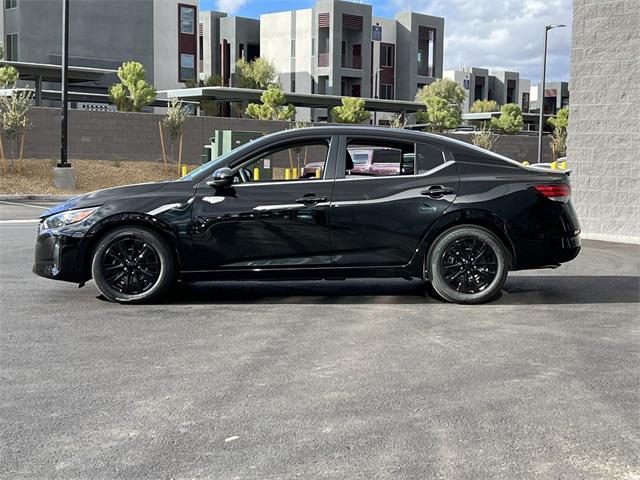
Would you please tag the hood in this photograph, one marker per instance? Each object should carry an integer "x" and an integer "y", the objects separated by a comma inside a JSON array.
[{"x": 99, "y": 197}]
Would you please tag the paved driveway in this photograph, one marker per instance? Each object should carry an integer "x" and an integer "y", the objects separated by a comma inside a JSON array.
[{"x": 354, "y": 379}]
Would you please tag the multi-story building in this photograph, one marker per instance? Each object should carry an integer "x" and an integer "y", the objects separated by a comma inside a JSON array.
[
  {"x": 160, "y": 34},
  {"x": 338, "y": 48},
  {"x": 556, "y": 96},
  {"x": 224, "y": 41},
  {"x": 499, "y": 85}
]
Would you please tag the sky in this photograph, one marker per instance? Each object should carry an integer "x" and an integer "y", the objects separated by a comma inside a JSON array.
[{"x": 498, "y": 34}]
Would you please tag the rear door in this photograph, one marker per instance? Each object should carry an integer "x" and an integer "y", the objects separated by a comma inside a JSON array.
[{"x": 379, "y": 218}]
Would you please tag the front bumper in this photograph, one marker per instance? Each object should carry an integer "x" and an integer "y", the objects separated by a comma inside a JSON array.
[{"x": 57, "y": 257}]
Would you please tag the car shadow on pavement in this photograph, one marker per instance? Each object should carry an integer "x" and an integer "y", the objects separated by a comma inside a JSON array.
[{"x": 518, "y": 290}]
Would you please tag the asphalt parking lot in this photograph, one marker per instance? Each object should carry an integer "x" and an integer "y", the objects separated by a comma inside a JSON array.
[{"x": 354, "y": 379}]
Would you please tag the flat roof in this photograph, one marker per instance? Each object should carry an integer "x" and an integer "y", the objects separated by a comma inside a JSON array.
[
  {"x": 311, "y": 100},
  {"x": 50, "y": 72}
]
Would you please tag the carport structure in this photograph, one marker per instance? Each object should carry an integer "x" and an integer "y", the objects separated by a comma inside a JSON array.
[
  {"x": 47, "y": 72},
  {"x": 310, "y": 100}
]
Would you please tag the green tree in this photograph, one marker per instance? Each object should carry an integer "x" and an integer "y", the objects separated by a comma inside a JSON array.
[
  {"x": 174, "y": 122},
  {"x": 133, "y": 93},
  {"x": 444, "y": 98},
  {"x": 510, "y": 120},
  {"x": 257, "y": 74},
  {"x": 8, "y": 76},
  {"x": 443, "y": 88},
  {"x": 351, "y": 111},
  {"x": 482, "y": 106},
  {"x": 1, "y": 52},
  {"x": 14, "y": 123},
  {"x": 210, "y": 108},
  {"x": 273, "y": 106},
  {"x": 439, "y": 116},
  {"x": 559, "y": 138}
]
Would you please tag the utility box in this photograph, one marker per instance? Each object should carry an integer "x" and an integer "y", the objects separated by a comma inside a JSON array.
[{"x": 223, "y": 141}]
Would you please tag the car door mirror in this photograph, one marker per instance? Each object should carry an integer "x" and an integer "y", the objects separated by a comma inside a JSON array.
[{"x": 223, "y": 177}]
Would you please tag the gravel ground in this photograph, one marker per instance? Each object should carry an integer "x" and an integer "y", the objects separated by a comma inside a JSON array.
[{"x": 37, "y": 176}]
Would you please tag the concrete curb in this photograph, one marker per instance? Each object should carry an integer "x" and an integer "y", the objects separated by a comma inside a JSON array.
[{"x": 37, "y": 198}]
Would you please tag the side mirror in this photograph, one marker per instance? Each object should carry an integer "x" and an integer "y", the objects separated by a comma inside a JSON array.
[{"x": 223, "y": 177}]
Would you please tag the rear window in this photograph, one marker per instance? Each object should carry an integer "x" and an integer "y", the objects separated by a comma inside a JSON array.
[{"x": 391, "y": 155}]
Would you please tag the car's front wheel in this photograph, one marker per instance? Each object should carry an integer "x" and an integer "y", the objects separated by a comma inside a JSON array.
[
  {"x": 132, "y": 265},
  {"x": 467, "y": 264}
]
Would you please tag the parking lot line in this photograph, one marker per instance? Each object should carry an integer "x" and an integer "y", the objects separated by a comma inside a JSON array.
[{"x": 39, "y": 207}]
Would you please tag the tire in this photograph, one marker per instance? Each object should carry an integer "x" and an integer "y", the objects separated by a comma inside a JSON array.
[
  {"x": 132, "y": 265},
  {"x": 467, "y": 265}
]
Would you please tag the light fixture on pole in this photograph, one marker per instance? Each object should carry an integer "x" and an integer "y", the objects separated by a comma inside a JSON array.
[{"x": 542, "y": 87}]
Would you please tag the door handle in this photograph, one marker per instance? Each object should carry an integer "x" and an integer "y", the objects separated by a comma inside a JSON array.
[
  {"x": 311, "y": 200},
  {"x": 437, "y": 191}
]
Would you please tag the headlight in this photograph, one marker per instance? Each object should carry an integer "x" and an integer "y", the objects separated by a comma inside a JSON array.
[{"x": 67, "y": 218}]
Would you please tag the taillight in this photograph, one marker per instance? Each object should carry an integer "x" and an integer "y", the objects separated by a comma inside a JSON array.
[{"x": 559, "y": 192}]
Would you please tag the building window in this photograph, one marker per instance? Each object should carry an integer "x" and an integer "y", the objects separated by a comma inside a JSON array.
[
  {"x": 11, "y": 48},
  {"x": 386, "y": 55},
  {"x": 187, "y": 20},
  {"x": 10, "y": 4},
  {"x": 293, "y": 48},
  {"x": 386, "y": 91},
  {"x": 187, "y": 67},
  {"x": 426, "y": 51}
]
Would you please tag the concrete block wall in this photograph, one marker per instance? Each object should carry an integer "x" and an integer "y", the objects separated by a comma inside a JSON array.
[
  {"x": 126, "y": 136},
  {"x": 135, "y": 136},
  {"x": 604, "y": 124}
]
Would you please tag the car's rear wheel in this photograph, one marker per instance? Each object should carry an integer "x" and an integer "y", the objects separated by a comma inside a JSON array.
[
  {"x": 467, "y": 264},
  {"x": 132, "y": 265}
]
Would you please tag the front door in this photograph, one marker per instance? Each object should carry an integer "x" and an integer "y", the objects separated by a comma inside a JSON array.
[
  {"x": 380, "y": 214},
  {"x": 275, "y": 215}
]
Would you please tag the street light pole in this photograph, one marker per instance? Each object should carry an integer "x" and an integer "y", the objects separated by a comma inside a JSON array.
[
  {"x": 64, "y": 120},
  {"x": 542, "y": 88}
]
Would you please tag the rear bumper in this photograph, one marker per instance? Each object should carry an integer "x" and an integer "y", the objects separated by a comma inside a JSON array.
[
  {"x": 56, "y": 257},
  {"x": 554, "y": 238}
]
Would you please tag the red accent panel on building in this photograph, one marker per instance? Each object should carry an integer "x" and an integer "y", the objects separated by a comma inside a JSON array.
[
  {"x": 352, "y": 22},
  {"x": 324, "y": 20},
  {"x": 188, "y": 42}
]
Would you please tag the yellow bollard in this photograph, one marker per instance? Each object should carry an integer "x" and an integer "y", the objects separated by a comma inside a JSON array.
[
  {"x": 184, "y": 170},
  {"x": 294, "y": 174},
  {"x": 525, "y": 163},
  {"x": 318, "y": 173},
  {"x": 256, "y": 174},
  {"x": 563, "y": 165},
  {"x": 554, "y": 165},
  {"x": 287, "y": 174}
]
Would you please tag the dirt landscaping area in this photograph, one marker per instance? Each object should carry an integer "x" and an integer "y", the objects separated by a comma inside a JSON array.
[{"x": 37, "y": 175}]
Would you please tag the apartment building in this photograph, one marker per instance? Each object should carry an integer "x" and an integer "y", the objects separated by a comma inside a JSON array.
[
  {"x": 160, "y": 34},
  {"x": 499, "y": 85},
  {"x": 339, "y": 48},
  {"x": 556, "y": 96},
  {"x": 225, "y": 40}
]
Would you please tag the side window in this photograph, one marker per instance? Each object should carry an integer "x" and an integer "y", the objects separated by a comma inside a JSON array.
[
  {"x": 427, "y": 158},
  {"x": 295, "y": 162},
  {"x": 379, "y": 158}
]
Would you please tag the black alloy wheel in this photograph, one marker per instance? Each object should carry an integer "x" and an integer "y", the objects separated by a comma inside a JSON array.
[
  {"x": 132, "y": 265},
  {"x": 467, "y": 264}
]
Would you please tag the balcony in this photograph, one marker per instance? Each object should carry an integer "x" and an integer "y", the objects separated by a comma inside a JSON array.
[
  {"x": 352, "y": 61},
  {"x": 425, "y": 70},
  {"x": 323, "y": 59}
]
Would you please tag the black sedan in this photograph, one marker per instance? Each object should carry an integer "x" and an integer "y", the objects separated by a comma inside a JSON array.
[{"x": 451, "y": 214}]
